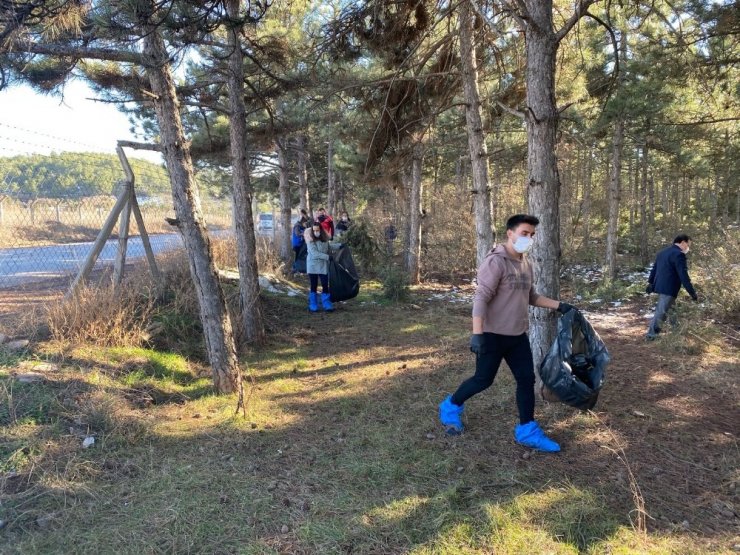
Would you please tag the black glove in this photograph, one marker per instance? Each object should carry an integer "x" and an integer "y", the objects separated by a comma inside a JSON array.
[
  {"x": 649, "y": 289},
  {"x": 565, "y": 307},
  {"x": 477, "y": 343},
  {"x": 331, "y": 258}
]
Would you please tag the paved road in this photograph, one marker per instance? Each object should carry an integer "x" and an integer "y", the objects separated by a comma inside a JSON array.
[{"x": 23, "y": 265}]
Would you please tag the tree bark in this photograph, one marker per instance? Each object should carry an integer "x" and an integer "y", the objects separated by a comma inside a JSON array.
[
  {"x": 615, "y": 183},
  {"x": 286, "y": 249},
  {"x": 304, "y": 201},
  {"x": 219, "y": 339},
  {"x": 630, "y": 189},
  {"x": 413, "y": 253},
  {"x": 253, "y": 329},
  {"x": 587, "y": 183},
  {"x": 644, "y": 247},
  {"x": 476, "y": 137},
  {"x": 543, "y": 180},
  {"x": 331, "y": 192}
]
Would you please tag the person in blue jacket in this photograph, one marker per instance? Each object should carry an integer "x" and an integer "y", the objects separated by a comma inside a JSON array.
[
  {"x": 297, "y": 239},
  {"x": 669, "y": 272}
]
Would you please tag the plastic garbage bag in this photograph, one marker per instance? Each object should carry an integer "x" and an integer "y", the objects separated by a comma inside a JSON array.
[
  {"x": 299, "y": 265},
  {"x": 344, "y": 283},
  {"x": 573, "y": 371}
]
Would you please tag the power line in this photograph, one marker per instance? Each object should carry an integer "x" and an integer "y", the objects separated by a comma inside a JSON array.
[{"x": 48, "y": 136}]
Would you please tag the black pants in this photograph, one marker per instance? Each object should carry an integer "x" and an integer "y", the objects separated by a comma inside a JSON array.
[
  {"x": 515, "y": 350},
  {"x": 296, "y": 250},
  {"x": 314, "y": 281}
]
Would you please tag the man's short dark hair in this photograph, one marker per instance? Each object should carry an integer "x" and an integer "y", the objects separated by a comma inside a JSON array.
[
  {"x": 517, "y": 219},
  {"x": 681, "y": 238}
]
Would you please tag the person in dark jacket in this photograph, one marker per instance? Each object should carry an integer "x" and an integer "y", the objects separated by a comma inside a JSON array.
[
  {"x": 668, "y": 274},
  {"x": 343, "y": 225}
]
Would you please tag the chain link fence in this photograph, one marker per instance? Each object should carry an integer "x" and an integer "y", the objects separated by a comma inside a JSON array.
[{"x": 53, "y": 206}]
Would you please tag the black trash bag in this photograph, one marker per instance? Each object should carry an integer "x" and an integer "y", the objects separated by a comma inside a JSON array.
[
  {"x": 299, "y": 265},
  {"x": 344, "y": 283},
  {"x": 573, "y": 370}
]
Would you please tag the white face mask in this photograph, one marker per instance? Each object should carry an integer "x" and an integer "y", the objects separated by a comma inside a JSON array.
[
  {"x": 523, "y": 244},
  {"x": 317, "y": 234}
]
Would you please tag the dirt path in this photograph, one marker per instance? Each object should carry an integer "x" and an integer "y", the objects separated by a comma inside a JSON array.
[{"x": 673, "y": 404}]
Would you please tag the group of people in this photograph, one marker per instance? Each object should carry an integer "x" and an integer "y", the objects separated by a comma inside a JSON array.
[
  {"x": 500, "y": 322},
  {"x": 317, "y": 234}
]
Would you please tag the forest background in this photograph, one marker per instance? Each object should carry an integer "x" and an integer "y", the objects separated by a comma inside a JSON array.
[{"x": 614, "y": 122}]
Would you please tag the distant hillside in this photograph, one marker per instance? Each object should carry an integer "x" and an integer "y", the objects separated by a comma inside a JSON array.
[{"x": 76, "y": 175}]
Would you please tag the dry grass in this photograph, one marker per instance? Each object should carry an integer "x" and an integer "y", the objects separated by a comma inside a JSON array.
[{"x": 103, "y": 315}]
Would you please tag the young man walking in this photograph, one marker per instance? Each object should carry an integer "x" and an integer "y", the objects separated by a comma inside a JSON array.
[
  {"x": 500, "y": 324},
  {"x": 668, "y": 274}
]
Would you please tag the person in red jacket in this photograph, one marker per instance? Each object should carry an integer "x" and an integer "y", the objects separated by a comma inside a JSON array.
[{"x": 326, "y": 222}]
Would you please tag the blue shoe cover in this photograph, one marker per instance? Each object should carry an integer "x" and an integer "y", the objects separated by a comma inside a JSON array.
[
  {"x": 450, "y": 415},
  {"x": 531, "y": 435},
  {"x": 326, "y": 302},
  {"x": 313, "y": 302}
]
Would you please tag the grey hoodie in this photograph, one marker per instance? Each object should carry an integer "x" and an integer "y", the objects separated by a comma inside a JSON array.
[{"x": 504, "y": 293}]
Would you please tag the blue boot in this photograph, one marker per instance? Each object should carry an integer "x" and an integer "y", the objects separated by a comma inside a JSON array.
[
  {"x": 326, "y": 302},
  {"x": 313, "y": 301},
  {"x": 531, "y": 435},
  {"x": 450, "y": 415}
]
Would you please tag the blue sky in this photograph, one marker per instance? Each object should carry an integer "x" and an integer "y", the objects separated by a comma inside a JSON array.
[{"x": 34, "y": 123}]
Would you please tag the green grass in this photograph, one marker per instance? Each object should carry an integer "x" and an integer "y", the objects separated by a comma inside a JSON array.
[{"x": 340, "y": 452}]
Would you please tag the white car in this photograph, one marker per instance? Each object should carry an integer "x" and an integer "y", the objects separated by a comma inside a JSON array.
[{"x": 265, "y": 224}]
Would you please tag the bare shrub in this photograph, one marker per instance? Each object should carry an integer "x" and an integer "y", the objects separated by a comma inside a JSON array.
[
  {"x": 268, "y": 260},
  {"x": 717, "y": 274},
  {"x": 103, "y": 315},
  {"x": 448, "y": 243},
  {"x": 177, "y": 290},
  {"x": 224, "y": 252}
]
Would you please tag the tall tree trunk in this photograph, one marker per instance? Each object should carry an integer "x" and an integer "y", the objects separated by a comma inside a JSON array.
[
  {"x": 644, "y": 247},
  {"x": 304, "y": 202},
  {"x": 630, "y": 190},
  {"x": 651, "y": 199},
  {"x": 249, "y": 289},
  {"x": 331, "y": 192},
  {"x": 413, "y": 254},
  {"x": 476, "y": 138},
  {"x": 217, "y": 330},
  {"x": 612, "y": 232},
  {"x": 664, "y": 196},
  {"x": 587, "y": 184},
  {"x": 714, "y": 192},
  {"x": 543, "y": 181},
  {"x": 286, "y": 248}
]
